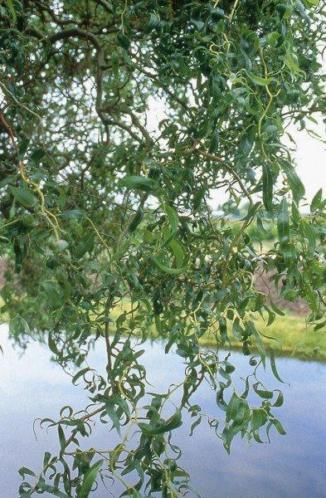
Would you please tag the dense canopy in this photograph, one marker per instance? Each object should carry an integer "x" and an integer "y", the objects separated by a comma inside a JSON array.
[{"x": 119, "y": 121}]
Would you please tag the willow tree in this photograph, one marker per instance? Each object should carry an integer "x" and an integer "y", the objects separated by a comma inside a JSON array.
[{"x": 106, "y": 229}]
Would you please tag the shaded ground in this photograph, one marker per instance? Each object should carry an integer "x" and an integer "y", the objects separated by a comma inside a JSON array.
[{"x": 264, "y": 283}]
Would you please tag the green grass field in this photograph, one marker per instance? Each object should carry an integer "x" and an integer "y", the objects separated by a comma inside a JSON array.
[{"x": 291, "y": 337}]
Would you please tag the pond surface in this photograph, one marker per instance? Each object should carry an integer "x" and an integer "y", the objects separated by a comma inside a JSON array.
[{"x": 291, "y": 466}]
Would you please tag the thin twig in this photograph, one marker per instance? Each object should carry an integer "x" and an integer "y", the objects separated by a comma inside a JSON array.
[
  {"x": 226, "y": 166},
  {"x": 106, "y": 334},
  {"x": 23, "y": 106}
]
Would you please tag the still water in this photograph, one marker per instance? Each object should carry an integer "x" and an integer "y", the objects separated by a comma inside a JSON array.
[{"x": 291, "y": 466}]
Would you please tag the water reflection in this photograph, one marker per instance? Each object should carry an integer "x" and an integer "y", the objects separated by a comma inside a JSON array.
[{"x": 291, "y": 466}]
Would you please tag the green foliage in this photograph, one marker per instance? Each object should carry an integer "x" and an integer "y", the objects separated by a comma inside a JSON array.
[{"x": 100, "y": 206}]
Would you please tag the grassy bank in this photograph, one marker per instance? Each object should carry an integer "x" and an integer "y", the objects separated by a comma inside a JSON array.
[
  {"x": 291, "y": 337},
  {"x": 288, "y": 335}
]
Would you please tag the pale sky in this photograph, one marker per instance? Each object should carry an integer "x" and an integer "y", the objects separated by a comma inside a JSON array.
[
  {"x": 310, "y": 154},
  {"x": 311, "y": 162}
]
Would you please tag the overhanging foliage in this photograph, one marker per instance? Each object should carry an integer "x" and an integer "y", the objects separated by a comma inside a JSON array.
[{"x": 105, "y": 222}]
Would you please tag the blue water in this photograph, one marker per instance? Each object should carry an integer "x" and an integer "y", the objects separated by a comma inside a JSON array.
[{"x": 291, "y": 466}]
